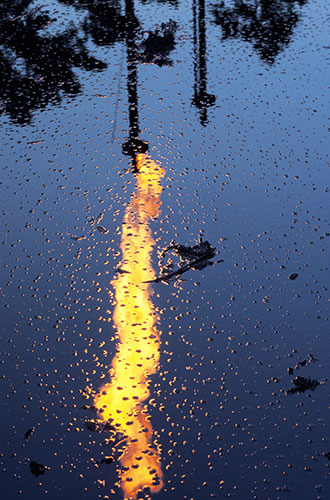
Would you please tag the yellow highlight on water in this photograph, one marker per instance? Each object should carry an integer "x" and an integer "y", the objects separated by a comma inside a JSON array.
[{"x": 121, "y": 401}]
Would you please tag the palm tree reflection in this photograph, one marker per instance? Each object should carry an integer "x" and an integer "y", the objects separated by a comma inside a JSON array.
[
  {"x": 202, "y": 99},
  {"x": 267, "y": 24}
]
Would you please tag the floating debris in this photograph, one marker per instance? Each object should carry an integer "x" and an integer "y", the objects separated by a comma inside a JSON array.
[
  {"x": 301, "y": 363},
  {"x": 90, "y": 408},
  {"x": 78, "y": 238},
  {"x": 29, "y": 433},
  {"x": 96, "y": 220},
  {"x": 122, "y": 271},
  {"x": 33, "y": 142},
  {"x": 92, "y": 426},
  {"x": 311, "y": 358},
  {"x": 107, "y": 460},
  {"x": 102, "y": 229},
  {"x": 192, "y": 252},
  {"x": 99, "y": 218},
  {"x": 303, "y": 384},
  {"x": 198, "y": 257},
  {"x": 37, "y": 469},
  {"x": 293, "y": 276},
  {"x": 96, "y": 426}
]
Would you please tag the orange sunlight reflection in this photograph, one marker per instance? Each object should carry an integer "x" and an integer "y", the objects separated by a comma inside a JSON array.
[{"x": 121, "y": 400}]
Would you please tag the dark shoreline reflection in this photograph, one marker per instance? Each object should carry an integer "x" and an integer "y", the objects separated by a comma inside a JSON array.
[{"x": 267, "y": 24}]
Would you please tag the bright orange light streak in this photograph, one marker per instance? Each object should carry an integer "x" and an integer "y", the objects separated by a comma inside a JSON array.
[{"x": 121, "y": 400}]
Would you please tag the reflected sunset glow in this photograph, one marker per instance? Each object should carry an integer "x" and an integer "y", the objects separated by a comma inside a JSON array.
[{"x": 121, "y": 400}]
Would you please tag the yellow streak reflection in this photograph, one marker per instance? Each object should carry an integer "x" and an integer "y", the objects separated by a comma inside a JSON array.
[{"x": 121, "y": 400}]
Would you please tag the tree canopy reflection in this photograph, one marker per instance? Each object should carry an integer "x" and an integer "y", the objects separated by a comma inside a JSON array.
[
  {"x": 267, "y": 24},
  {"x": 35, "y": 67},
  {"x": 104, "y": 21},
  {"x": 106, "y": 24}
]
